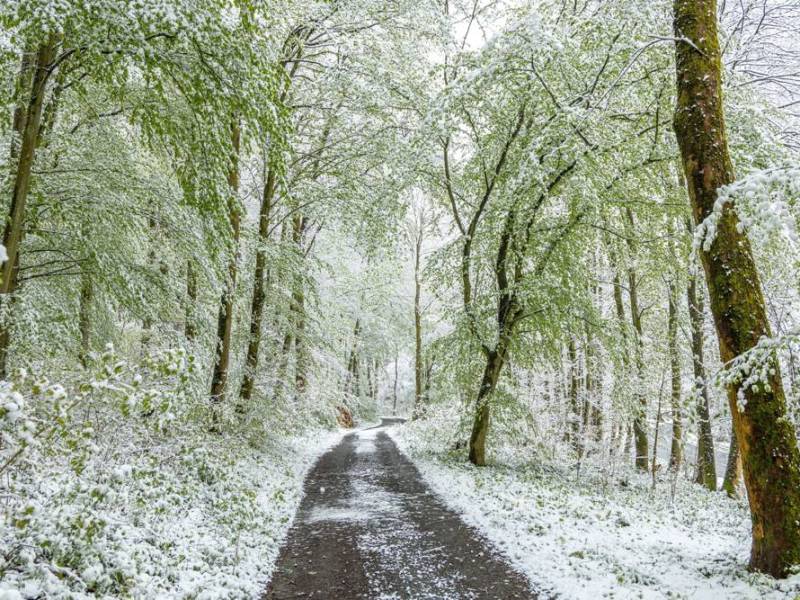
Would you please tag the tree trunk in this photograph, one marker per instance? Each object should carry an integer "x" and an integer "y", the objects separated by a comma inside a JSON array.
[
  {"x": 480, "y": 427},
  {"x": 283, "y": 364},
  {"x": 190, "y": 325},
  {"x": 259, "y": 294},
  {"x": 147, "y": 321},
  {"x": 375, "y": 385},
  {"x": 29, "y": 134},
  {"x": 352, "y": 383},
  {"x": 370, "y": 380},
  {"x": 628, "y": 440},
  {"x": 593, "y": 417},
  {"x": 394, "y": 393},
  {"x": 620, "y": 310},
  {"x": 766, "y": 437},
  {"x": 428, "y": 379},
  {"x": 22, "y": 93},
  {"x": 640, "y": 416},
  {"x": 706, "y": 462},
  {"x": 418, "y": 366},
  {"x": 733, "y": 468},
  {"x": 574, "y": 417},
  {"x": 298, "y": 302},
  {"x": 225, "y": 317},
  {"x": 8, "y": 323},
  {"x": 676, "y": 449},
  {"x": 27, "y": 125},
  {"x": 84, "y": 317},
  {"x": 508, "y": 314},
  {"x": 300, "y": 342}
]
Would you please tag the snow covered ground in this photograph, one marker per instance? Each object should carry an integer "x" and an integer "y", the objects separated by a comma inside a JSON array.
[
  {"x": 600, "y": 537},
  {"x": 188, "y": 523}
]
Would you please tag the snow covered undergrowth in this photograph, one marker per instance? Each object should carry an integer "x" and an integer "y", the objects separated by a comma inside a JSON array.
[
  {"x": 173, "y": 522},
  {"x": 597, "y": 536}
]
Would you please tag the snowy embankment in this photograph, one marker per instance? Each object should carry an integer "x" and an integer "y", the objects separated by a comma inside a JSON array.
[
  {"x": 183, "y": 523},
  {"x": 599, "y": 537}
]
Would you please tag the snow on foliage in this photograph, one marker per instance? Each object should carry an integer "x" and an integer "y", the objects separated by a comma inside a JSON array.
[
  {"x": 128, "y": 504},
  {"x": 766, "y": 203}
]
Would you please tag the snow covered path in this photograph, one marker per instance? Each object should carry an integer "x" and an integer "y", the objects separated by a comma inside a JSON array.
[{"x": 369, "y": 527}]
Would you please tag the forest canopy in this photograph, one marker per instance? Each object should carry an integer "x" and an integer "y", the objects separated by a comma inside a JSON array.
[{"x": 531, "y": 227}]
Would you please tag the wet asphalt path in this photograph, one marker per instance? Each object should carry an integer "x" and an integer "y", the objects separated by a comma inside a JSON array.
[{"x": 369, "y": 527}]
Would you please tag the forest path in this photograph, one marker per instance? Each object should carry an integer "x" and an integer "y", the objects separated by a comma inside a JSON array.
[{"x": 369, "y": 527}]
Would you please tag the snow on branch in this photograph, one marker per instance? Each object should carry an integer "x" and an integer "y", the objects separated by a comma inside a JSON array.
[{"x": 765, "y": 202}]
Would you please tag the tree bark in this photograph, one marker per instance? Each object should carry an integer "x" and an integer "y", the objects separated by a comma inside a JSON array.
[
  {"x": 706, "y": 461},
  {"x": 375, "y": 380},
  {"x": 766, "y": 437},
  {"x": 676, "y": 448},
  {"x": 733, "y": 468},
  {"x": 593, "y": 416},
  {"x": 219, "y": 378},
  {"x": 394, "y": 392},
  {"x": 426, "y": 392},
  {"x": 418, "y": 366},
  {"x": 190, "y": 325},
  {"x": 27, "y": 122},
  {"x": 621, "y": 318},
  {"x": 283, "y": 363},
  {"x": 29, "y": 133},
  {"x": 509, "y": 312},
  {"x": 640, "y": 416},
  {"x": 574, "y": 417},
  {"x": 85, "y": 317},
  {"x": 8, "y": 321},
  {"x": 259, "y": 294},
  {"x": 352, "y": 383},
  {"x": 370, "y": 380},
  {"x": 300, "y": 343},
  {"x": 491, "y": 375},
  {"x": 298, "y": 302},
  {"x": 147, "y": 321}
]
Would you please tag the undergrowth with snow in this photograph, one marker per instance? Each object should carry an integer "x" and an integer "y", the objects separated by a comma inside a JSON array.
[
  {"x": 593, "y": 534},
  {"x": 115, "y": 489}
]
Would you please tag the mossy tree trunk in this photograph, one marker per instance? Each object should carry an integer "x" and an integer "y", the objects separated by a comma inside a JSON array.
[{"x": 766, "y": 437}]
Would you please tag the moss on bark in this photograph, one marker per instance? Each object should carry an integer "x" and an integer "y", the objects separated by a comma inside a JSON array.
[{"x": 767, "y": 444}]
